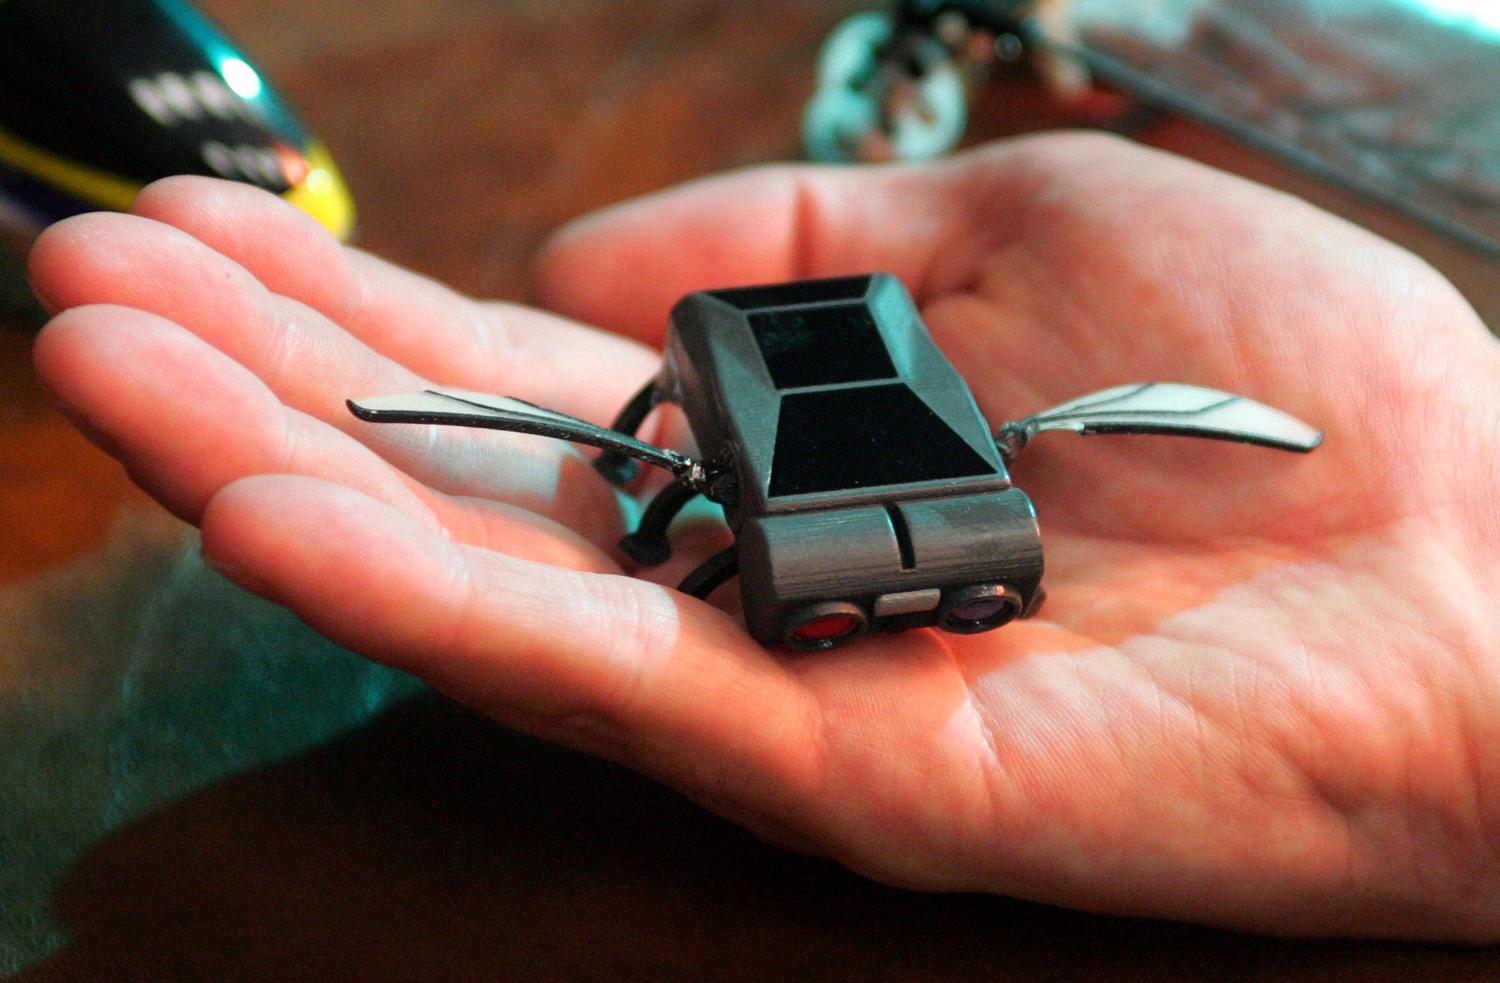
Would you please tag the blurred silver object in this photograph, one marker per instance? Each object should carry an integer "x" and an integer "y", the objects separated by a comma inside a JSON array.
[
  {"x": 1397, "y": 99},
  {"x": 884, "y": 96}
]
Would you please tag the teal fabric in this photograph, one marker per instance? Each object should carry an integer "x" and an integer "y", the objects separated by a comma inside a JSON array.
[
  {"x": 16, "y": 302},
  {"x": 131, "y": 679}
]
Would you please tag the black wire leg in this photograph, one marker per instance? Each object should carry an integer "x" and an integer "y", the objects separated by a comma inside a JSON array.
[
  {"x": 619, "y": 468},
  {"x": 648, "y": 545},
  {"x": 711, "y": 573}
]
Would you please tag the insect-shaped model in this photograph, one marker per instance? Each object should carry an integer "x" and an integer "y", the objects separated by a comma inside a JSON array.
[{"x": 863, "y": 486}]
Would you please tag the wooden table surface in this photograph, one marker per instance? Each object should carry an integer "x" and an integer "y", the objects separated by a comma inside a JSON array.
[{"x": 429, "y": 844}]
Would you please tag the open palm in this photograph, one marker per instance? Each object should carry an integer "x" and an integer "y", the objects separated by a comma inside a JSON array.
[{"x": 1265, "y": 691}]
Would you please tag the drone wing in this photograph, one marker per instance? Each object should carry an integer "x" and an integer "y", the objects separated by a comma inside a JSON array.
[
  {"x": 457, "y": 407},
  {"x": 1169, "y": 408}
]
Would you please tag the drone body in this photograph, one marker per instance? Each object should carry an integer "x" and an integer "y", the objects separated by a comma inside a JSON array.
[{"x": 864, "y": 487}]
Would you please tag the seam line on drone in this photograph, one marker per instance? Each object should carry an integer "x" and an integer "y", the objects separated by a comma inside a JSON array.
[
  {"x": 493, "y": 409},
  {"x": 903, "y": 536},
  {"x": 1094, "y": 404},
  {"x": 1199, "y": 411}
]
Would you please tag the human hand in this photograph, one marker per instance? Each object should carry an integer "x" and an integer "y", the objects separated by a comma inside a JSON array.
[{"x": 1262, "y": 693}]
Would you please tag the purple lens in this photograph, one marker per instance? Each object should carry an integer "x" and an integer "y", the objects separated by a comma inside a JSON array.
[{"x": 979, "y": 609}]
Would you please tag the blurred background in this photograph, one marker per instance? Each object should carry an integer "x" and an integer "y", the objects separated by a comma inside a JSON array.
[{"x": 193, "y": 786}]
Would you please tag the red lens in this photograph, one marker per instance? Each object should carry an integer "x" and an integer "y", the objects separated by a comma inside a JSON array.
[
  {"x": 826, "y": 627},
  {"x": 819, "y": 627}
]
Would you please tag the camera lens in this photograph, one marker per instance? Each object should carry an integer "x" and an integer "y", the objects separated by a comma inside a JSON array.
[
  {"x": 824, "y": 626},
  {"x": 978, "y": 608}
]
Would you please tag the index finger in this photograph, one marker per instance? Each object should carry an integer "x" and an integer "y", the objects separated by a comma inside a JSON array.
[
  {"x": 624, "y": 267},
  {"x": 932, "y": 225}
]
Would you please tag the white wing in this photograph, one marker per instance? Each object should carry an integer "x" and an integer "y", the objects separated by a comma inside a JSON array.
[
  {"x": 460, "y": 408},
  {"x": 1173, "y": 408}
]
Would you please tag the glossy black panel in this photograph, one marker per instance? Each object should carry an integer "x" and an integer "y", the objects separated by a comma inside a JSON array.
[
  {"x": 137, "y": 89},
  {"x": 865, "y": 437},
  {"x": 816, "y": 346},
  {"x": 798, "y": 292}
]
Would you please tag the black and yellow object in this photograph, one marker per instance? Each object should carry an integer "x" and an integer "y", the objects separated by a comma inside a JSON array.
[{"x": 99, "y": 99}]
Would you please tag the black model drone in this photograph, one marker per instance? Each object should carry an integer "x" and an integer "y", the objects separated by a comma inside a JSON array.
[{"x": 863, "y": 486}]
